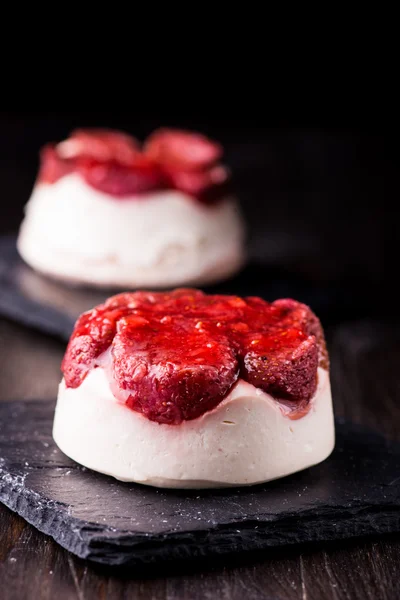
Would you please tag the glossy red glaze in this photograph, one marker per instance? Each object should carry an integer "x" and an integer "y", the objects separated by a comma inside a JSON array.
[
  {"x": 114, "y": 163},
  {"x": 176, "y": 355}
]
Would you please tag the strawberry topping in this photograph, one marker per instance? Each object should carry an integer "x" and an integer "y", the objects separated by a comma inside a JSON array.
[
  {"x": 174, "y": 356},
  {"x": 182, "y": 150},
  {"x": 52, "y": 168},
  {"x": 118, "y": 180},
  {"x": 114, "y": 163},
  {"x": 100, "y": 144}
]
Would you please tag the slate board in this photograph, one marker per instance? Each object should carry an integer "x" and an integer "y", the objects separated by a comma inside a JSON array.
[
  {"x": 52, "y": 307},
  {"x": 356, "y": 492}
]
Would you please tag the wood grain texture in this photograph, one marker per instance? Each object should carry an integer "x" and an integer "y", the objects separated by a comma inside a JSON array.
[{"x": 365, "y": 382}]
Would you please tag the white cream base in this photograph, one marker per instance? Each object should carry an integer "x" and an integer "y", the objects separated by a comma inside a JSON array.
[
  {"x": 246, "y": 440},
  {"x": 167, "y": 239}
]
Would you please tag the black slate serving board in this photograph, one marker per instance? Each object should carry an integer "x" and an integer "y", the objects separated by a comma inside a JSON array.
[
  {"x": 355, "y": 492},
  {"x": 52, "y": 307}
]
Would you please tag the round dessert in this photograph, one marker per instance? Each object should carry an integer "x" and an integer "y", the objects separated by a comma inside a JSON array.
[
  {"x": 190, "y": 390},
  {"x": 106, "y": 212}
]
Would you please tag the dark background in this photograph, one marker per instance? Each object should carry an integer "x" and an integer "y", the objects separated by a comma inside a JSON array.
[{"x": 316, "y": 198}]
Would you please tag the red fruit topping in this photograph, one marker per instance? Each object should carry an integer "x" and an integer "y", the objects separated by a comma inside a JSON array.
[
  {"x": 198, "y": 183},
  {"x": 52, "y": 168},
  {"x": 113, "y": 163},
  {"x": 119, "y": 180},
  {"x": 167, "y": 383},
  {"x": 102, "y": 145},
  {"x": 184, "y": 150},
  {"x": 175, "y": 356}
]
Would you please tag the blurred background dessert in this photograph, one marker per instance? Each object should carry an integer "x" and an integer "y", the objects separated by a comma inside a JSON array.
[
  {"x": 107, "y": 211},
  {"x": 315, "y": 199}
]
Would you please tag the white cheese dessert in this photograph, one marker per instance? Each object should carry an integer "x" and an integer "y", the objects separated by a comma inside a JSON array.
[
  {"x": 188, "y": 390},
  {"x": 246, "y": 439},
  {"x": 106, "y": 213}
]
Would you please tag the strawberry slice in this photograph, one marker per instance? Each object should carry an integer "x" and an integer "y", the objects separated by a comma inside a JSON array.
[
  {"x": 290, "y": 374},
  {"x": 164, "y": 383},
  {"x": 119, "y": 180},
  {"x": 52, "y": 167},
  {"x": 182, "y": 150},
  {"x": 196, "y": 183},
  {"x": 102, "y": 145}
]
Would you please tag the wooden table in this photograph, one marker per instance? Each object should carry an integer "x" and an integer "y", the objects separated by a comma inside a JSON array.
[{"x": 366, "y": 389}]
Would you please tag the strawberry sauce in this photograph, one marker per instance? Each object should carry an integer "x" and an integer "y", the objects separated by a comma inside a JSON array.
[{"x": 175, "y": 356}]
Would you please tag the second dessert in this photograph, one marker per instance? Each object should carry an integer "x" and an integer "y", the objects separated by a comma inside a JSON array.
[
  {"x": 189, "y": 390},
  {"x": 108, "y": 212}
]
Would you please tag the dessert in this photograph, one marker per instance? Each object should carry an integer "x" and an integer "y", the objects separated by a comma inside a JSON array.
[
  {"x": 108, "y": 212},
  {"x": 189, "y": 390}
]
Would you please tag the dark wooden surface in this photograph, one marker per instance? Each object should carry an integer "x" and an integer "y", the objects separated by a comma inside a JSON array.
[{"x": 365, "y": 383}]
